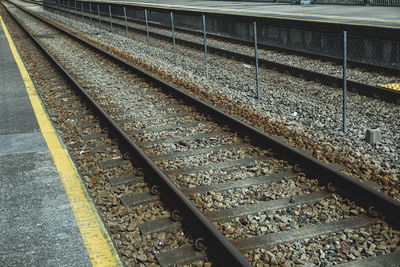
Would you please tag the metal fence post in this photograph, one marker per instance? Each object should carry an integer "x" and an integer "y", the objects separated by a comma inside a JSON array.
[
  {"x": 205, "y": 45},
  {"x": 344, "y": 81},
  {"x": 69, "y": 9},
  {"x": 59, "y": 8},
  {"x": 147, "y": 31},
  {"x": 55, "y": 8},
  {"x": 398, "y": 54},
  {"x": 109, "y": 10},
  {"x": 90, "y": 11},
  {"x": 65, "y": 10},
  {"x": 62, "y": 8},
  {"x": 76, "y": 13},
  {"x": 98, "y": 13},
  {"x": 83, "y": 17},
  {"x": 126, "y": 22},
  {"x": 173, "y": 38},
  {"x": 256, "y": 58}
]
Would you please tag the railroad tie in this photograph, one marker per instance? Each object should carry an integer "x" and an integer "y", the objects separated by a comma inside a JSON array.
[
  {"x": 112, "y": 163},
  {"x": 388, "y": 260},
  {"x": 138, "y": 199},
  {"x": 164, "y": 224},
  {"x": 271, "y": 240},
  {"x": 126, "y": 179}
]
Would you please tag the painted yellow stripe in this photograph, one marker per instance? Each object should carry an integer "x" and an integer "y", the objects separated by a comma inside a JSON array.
[
  {"x": 393, "y": 86},
  {"x": 97, "y": 241}
]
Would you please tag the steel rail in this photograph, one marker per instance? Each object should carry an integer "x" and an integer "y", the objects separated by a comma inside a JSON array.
[
  {"x": 218, "y": 246},
  {"x": 365, "y": 195},
  {"x": 313, "y": 55},
  {"x": 348, "y": 186},
  {"x": 352, "y": 188},
  {"x": 383, "y": 93},
  {"x": 34, "y": 2}
]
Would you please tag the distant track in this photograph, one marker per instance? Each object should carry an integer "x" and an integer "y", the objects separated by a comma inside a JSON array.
[{"x": 383, "y": 93}]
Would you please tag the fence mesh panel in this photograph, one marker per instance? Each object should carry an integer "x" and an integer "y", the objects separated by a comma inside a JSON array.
[{"x": 292, "y": 61}]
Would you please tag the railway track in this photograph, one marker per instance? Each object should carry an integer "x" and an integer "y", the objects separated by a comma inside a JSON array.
[
  {"x": 250, "y": 185},
  {"x": 363, "y": 78}
]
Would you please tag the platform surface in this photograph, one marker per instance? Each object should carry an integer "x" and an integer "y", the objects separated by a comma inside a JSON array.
[
  {"x": 37, "y": 225},
  {"x": 358, "y": 15}
]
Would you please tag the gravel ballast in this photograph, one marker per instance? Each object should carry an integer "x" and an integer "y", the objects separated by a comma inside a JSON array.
[
  {"x": 308, "y": 109},
  {"x": 240, "y": 196},
  {"x": 309, "y": 113}
]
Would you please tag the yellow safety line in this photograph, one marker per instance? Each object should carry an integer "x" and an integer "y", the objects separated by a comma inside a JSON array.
[{"x": 96, "y": 239}]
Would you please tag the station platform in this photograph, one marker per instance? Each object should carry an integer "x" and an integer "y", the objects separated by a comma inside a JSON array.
[
  {"x": 376, "y": 16},
  {"x": 47, "y": 217}
]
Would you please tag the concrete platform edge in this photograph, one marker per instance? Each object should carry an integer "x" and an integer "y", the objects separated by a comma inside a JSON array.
[{"x": 95, "y": 236}]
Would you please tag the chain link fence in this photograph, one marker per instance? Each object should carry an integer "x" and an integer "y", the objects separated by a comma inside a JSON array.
[
  {"x": 359, "y": 2},
  {"x": 273, "y": 62},
  {"x": 335, "y": 2}
]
